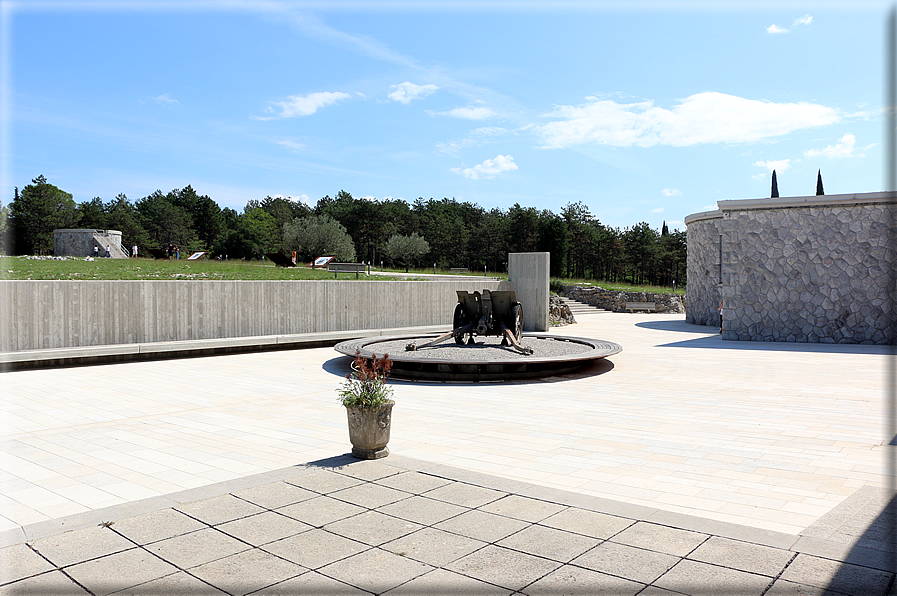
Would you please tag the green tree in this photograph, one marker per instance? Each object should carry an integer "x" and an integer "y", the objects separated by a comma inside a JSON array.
[
  {"x": 317, "y": 236},
  {"x": 205, "y": 215},
  {"x": 446, "y": 231},
  {"x": 92, "y": 214},
  {"x": 38, "y": 210},
  {"x": 5, "y": 235},
  {"x": 166, "y": 222},
  {"x": 553, "y": 239},
  {"x": 640, "y": 251},
  {"x": 122, "y": 215},
  {"x": 406, "y": 249}
]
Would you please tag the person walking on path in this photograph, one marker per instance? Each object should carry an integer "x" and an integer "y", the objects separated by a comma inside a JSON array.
[
  {"x": 134, "y": 251},
  {"x": 108, "y": 252}
]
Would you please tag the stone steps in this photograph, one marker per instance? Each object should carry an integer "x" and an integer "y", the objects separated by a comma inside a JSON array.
[{"x": 581, "y": 308}]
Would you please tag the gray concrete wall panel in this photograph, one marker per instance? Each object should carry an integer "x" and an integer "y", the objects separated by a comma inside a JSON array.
[
  {"x": 528, "y": 275},
  {"x": 58, "y": 314}
]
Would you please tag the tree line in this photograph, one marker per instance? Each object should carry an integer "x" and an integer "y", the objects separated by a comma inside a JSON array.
[{"x": 441, "y": 232}]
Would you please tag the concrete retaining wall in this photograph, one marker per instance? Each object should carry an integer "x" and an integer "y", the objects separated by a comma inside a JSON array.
[
  {"x": 796, "y": 269},
  {"x": 38, "y": 315}
]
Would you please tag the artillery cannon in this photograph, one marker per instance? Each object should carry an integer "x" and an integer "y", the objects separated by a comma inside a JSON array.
[{"x": 490, "y": 313}]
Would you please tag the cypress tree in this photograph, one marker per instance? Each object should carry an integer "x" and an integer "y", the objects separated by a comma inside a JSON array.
[
  {"x": 775, "y": 186},
  {"x": 664, "y": 230},
  {"x": 819, "y": 190}
]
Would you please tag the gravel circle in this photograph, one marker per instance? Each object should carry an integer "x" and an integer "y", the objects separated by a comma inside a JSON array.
[{"x": 487, "y": 348}]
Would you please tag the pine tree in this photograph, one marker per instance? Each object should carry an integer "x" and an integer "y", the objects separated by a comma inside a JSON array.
[
  {"x": 819, "y": 191},
  {"x": 775, "y": 186}
]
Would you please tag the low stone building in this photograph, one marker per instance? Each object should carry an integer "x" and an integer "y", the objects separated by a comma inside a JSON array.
[
  {"x": 80, "y": 243},
  {"x": 796, "y": 269}
]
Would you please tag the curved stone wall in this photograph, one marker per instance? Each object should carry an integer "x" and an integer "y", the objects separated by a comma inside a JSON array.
[
  {"x": 702, "y": 294},
  {"x": 799, "y": 269}
]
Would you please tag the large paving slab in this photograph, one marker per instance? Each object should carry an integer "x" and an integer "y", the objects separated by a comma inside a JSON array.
[
  {"x": 378, "y": 551},
  {"x": 774, "y": 436}
]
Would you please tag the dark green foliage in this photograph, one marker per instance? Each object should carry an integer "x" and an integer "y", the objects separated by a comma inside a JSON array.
[
  {"x": 774, "y": 192},
  {"x": 556, "y": 286},
  {"x": 553, "y": 238},
  {"x": 122, "y": 215},
  {"x": 406, "y": 249},
  {"x": 38, "y": 210},
  {"x": 318, "y": 236},
  {"x": 92, "y": 214},
  {"x": 445, "y": 231},
  {"x": 166, "y": 222},
  {"x": 819, "y": 189},
  {"x": 208, "y": 222}
]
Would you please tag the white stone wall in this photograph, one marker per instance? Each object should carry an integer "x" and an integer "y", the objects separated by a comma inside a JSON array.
[
  {"x": 800, "y": 269},
  {"x": 38, "y": 314}
]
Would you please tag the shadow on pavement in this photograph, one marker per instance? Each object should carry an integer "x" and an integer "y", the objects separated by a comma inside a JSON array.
[{"x": 877, "y": 547}]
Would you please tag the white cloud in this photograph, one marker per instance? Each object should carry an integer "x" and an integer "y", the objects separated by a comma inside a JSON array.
[
  {"x": 304, "y": 105},
  {"x": 708, "y": 117},
  {"x": 804, "y": 20},
  {"x": 478, "y": 136},
  {"x": 843, "y": 148},
  {"x": 407, "y": 91},
  {"x": 657, "y": 210},
  {"x": 673, "y": 222},
  {"x": 489, "y": 168},
  {"x": 303, "y": 198},
  {"x": 470, "y": 113},
  {"x": 709, "y": 207},
  {"x": 781, "y": 164},
  {"x": 671, "y": 192},
  {"x": 292, "y": 145},
  {"x": 759, "y": 176},
  {"x": 164, "y": 98}
]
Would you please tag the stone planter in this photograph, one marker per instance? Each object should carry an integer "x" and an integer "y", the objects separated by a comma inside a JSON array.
[{"x": 369, "y": 430}]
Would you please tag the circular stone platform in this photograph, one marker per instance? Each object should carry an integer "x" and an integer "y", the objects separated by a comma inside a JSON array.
[{"x": 488, "y": 360}]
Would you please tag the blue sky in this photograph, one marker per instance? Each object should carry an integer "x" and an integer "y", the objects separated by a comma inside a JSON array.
[{"x": 642, "y": 111}]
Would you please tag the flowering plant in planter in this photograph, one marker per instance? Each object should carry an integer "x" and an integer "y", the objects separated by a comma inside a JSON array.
[
  {"x": 368, "y": 406},
  {"x": 365, "y": 386}
]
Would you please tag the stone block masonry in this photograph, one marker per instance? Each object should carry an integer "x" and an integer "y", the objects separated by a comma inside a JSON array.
[
  {"x": 615, "y": 301},
  {"x": 797, "y": 269}
]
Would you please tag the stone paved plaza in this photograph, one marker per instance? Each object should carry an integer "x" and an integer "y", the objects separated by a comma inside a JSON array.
[{"x": 726, "y": 463}]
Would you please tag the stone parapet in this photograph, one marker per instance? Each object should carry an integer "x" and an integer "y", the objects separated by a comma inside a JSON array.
[{"x": 615, "y": 301}]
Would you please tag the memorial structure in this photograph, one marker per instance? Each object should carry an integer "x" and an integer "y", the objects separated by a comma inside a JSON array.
[
  {"x": 80, "y": 243},
  {"x": 795, "y": 269}
]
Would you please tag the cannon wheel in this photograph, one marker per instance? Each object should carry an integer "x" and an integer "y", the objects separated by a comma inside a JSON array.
[
  {"x": 458, "y": 321},
  {"x": 517, "y": 315}
]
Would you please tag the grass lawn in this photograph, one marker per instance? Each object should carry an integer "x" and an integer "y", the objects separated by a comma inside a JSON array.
[{"x": 145, "y": 268}]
